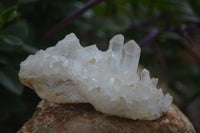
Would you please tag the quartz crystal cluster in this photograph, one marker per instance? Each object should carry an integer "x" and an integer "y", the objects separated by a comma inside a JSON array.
[{"x": 110, "y": 81}]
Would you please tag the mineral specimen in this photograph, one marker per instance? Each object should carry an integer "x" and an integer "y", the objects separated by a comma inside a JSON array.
[{"x": 70, "y": 73}]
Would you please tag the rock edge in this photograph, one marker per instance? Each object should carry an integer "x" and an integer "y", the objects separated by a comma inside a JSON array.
[{"x": 82, "y": 118}]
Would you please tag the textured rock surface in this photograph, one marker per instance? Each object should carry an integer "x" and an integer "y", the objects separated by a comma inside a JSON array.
[
  {"x": 109, "y": 80},
  {"x": 82, "y": 118}
]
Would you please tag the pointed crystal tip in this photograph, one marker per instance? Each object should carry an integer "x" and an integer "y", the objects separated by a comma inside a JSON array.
[
  {"x": 131, "y": 47},
  {"x": 70, "y": 36},
  {"x": 145, "y": 75},
  {"x": 130, "y": 57},
  {"x": 116, "y": 42}
]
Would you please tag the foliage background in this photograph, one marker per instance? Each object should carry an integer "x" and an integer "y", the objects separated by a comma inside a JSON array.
[{"x": 167, "y": 31}]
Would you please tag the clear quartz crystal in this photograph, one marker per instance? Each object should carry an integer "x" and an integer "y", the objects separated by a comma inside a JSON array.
[
  {"x": 70, "y": 73},
  {"x": 130, "y": 57},
  {"x": 116, "y": 45}
]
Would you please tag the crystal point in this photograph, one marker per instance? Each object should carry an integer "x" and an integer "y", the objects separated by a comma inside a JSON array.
[
  {"x": 131, "y": 55},
  {"x": 116, "y": 43},
  {"x": 116, "y": 46},
  {"x": 145, "y": 76}
]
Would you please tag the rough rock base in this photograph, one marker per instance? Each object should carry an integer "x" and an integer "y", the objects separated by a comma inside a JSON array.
[{"x": 82, "y": 118}]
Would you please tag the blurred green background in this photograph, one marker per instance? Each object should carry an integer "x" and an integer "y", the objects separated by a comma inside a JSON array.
[{"x": 168, "y": 32}]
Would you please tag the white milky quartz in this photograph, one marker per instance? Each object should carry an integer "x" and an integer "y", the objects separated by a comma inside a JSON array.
[{"x": 70, "y": 73}]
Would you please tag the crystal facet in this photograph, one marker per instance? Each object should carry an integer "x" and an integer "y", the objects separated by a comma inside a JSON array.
[{"x": 131, "y": 56}]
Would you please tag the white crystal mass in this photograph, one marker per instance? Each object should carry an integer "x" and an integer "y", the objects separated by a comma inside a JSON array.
[{"x": 70, "y": 73}]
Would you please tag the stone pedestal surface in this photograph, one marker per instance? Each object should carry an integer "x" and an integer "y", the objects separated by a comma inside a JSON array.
[{"x": 82, "y": 118}]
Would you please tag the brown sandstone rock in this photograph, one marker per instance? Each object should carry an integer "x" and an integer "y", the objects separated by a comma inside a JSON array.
[{"x": 82, "y": 118}]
